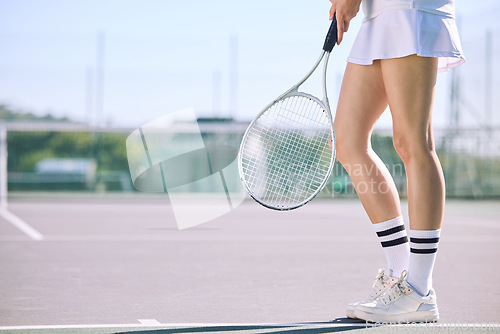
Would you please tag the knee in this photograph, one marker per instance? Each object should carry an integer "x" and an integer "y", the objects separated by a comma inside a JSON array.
[
  {"x": 410, "y": 146},
  {"x": 347, "y": 146}
]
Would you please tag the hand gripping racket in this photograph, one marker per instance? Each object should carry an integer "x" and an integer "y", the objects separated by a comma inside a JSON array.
[{"x": 288, "y": 151}]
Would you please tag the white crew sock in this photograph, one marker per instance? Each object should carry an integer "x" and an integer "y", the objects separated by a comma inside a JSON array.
[
  {"x": 423, "y": 248},
  {"x": 392, "y": 236}
]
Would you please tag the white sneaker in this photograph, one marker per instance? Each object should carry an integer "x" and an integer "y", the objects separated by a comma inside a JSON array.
[
  {"x": 382, "y": 283},
  {"x": 400, "y": 304}
]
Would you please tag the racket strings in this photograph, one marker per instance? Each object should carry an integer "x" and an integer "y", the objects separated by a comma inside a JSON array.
[{"x": 286, "y": 156}]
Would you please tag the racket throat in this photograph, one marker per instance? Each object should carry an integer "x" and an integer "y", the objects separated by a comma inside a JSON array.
[
  {"x": 325, "y": 71},
  {"x": 326, "y": 56},
  {"x": 296, "y": 87}
]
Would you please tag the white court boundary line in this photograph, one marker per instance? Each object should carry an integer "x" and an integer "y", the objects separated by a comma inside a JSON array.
[
  {"x": 152, "y": 323},
  {"x": 21, "y": 225},
  {"x": 176, "y": 325},
  {"x": 149, "y": 322},
  {"x": 228, "y": 238}
]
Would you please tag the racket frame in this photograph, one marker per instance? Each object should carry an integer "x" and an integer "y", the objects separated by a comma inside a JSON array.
[{"x": 294, "y": 91}]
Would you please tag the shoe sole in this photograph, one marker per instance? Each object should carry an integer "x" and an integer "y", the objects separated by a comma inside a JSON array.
[
  {"x": 350, "y": 313},
  {"x": 419, "y": 316}
]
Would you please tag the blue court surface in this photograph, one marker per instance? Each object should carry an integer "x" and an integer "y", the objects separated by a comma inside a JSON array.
[{"x": 108, "y": 264}]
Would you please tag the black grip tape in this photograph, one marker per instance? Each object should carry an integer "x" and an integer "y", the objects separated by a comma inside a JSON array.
[{"x": 331, "y": 37}]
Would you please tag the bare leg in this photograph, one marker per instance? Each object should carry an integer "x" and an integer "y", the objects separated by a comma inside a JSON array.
[
  {"x": 409, "y": 84},
  {"x": 362, "y": 101}
]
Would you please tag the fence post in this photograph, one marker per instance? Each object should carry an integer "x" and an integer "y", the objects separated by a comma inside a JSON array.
[{"x": 3, "y": 167}]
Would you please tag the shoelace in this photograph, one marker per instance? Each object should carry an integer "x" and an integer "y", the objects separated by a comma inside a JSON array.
[
  {"x": 379, "y": 283},
  {"x": 395, "y": 291}
]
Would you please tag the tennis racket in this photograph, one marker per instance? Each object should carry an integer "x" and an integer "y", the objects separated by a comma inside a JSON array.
[{"x": 288, "y": 151}]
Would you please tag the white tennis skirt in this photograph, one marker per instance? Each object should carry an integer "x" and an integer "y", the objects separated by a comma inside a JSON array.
[{"x": 403, "y": 32}]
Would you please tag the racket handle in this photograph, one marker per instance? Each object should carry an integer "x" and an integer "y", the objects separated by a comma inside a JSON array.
[{"x": 331, "y": 37}]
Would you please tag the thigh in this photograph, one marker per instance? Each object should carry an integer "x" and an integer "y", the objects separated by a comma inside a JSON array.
[
  {"x": 361, "y": 102},
  {"x": 410, "y": 84}
]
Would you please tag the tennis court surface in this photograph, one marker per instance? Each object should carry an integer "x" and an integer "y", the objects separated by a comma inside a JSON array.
[{"x": 105, "y": 264}]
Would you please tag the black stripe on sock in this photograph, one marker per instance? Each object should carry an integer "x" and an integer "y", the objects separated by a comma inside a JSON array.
[
  {"x": 391, "y": 231},
  {"x": 424, "y": 240},
  {"x": 423, "y": 251},
  {"x": 394, "y": 242}
]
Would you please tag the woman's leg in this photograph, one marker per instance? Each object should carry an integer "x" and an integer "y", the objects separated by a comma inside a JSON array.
[
  {"x": 362, "y": 100},
  {"x": 409, "y": 84}
]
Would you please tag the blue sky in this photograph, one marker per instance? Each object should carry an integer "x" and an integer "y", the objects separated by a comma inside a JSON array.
[{"x": 163, "y": 55}]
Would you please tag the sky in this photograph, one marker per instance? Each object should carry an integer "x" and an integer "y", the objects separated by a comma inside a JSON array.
[{"x": 160, "y": 56}]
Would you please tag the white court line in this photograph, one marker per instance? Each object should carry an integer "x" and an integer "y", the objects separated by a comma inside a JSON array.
[
  {"x": 484, "y": 222},
  {"x": 21, "y": 225},
  {"x": 234, "y": 238},
  {"x": 222, "y": 238},
  {"x": 149, "y": 322},
  {"x": 160, "y": 325},
  {"x": 484, "y": 326},
  {"x": 183, "y": 325}
]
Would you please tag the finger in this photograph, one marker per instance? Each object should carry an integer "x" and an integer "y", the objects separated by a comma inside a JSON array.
[
  {"x": 340, "y": 31},
  {"x": 346, "y": 26},
  {"x": 333, "y": 8},
  {"x": 340, "y": 37}
]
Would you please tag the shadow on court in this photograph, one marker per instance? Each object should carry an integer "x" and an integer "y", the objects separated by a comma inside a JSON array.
[{"x": 328, "y": 327}]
